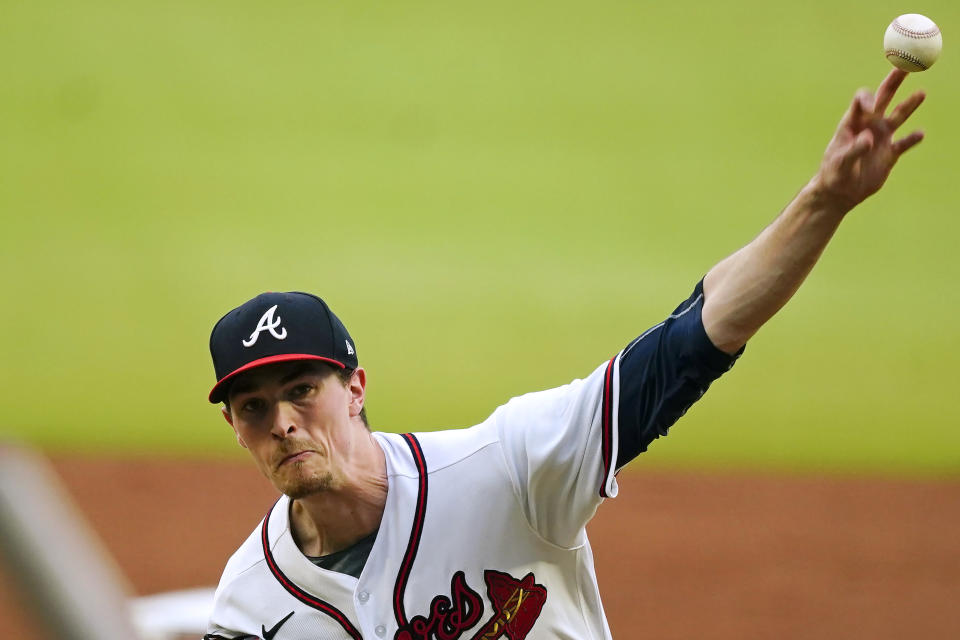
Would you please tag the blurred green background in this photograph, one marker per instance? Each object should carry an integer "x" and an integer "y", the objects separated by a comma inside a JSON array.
[{"x": 495, "y": 197}]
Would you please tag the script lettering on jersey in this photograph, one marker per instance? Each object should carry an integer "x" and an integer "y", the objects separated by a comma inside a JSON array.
[
  {"x": 449, "y": 617},
  {"x": 267, "y": 323},
  {"x": 516, "y": 607}
]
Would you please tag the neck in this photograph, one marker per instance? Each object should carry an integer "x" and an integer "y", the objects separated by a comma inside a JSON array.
[{"x": 334, "y": 519}]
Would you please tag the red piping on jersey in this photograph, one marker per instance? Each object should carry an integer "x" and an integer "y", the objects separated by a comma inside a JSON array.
[
  {"x": 607, "y": 426},
  {"x": 415, "y": 532},
  {"x": 300, "y": 594}
]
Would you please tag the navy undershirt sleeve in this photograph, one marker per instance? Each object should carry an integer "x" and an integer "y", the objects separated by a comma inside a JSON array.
[{"x": 662, "y": 373}]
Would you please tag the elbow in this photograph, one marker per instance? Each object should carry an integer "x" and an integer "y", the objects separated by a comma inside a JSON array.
[{"x": 726, "y": 335}]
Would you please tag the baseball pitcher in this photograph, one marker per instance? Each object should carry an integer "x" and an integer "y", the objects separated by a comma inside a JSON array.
[{"x": 479, "y": 533}]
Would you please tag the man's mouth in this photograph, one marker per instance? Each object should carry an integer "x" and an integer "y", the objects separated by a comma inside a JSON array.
[{"x": 297, "y": 456}]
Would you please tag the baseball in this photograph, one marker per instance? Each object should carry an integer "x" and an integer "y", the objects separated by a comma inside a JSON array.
[{"x": 912, "y": 42}]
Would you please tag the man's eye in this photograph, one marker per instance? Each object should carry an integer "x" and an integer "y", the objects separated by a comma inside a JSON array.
[
  {"x": 300, "y": 390},
  {"x": 253, "y": 406}
]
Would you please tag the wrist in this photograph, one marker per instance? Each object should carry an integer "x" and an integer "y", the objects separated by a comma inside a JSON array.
[{"x": 821, "y": 199}]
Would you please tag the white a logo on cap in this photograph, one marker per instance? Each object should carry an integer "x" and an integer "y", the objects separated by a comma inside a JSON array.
[
  {"x": 267, "y": 323},
  {"x": 350, "y": 351}
]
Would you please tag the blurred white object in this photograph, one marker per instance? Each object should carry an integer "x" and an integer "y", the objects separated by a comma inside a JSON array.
[
  {"x": 46, "y": 542},
  {"x": 172, "y": 615}
]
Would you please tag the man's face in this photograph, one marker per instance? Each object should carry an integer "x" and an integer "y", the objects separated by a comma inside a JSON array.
[{"x": 298, "y": 421}]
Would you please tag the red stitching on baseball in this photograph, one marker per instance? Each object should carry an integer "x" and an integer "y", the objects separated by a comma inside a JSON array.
[
  {"x": 912, "y": 33},
  {"x": 906, "y": 56}
]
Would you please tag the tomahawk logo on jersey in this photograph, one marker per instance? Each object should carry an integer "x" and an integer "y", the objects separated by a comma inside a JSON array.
[{"x": 483, "y": 532}]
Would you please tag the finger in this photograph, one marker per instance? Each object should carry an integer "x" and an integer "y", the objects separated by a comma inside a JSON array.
[
  {"x": 886, "y": 90},
  {"x": 855, "y": 115},
  {"x": 905, "y": 109},
  {"x": 907, "y": 142},
  {"x": 861, "y": 145}
]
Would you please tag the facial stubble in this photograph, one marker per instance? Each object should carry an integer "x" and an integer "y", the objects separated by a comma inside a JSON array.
[{"x": 296, "y": 480}]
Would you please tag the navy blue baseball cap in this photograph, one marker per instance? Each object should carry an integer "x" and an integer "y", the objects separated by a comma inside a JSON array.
[{"x": 277, "y": 327}]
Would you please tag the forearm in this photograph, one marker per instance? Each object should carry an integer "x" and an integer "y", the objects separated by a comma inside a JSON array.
[{"x": 746, "y": 289}]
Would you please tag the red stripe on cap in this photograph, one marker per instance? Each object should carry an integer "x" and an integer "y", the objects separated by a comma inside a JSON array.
[{"x": 214, "y": 396}]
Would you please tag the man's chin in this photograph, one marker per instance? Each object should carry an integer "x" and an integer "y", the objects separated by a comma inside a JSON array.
[{"x": 304, "y": 486}]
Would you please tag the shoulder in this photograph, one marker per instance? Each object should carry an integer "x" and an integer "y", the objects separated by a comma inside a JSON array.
[
  {"x": 248, "y": 557},
  {"x": 242, "y": 587},
  {"x": 578, "y": 396},
  {"x": 575, "y": 400},
  {"x": 439, "y": 448}
]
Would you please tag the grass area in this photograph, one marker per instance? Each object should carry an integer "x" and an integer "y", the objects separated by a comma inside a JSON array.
[{"x": 495, "y": 198}]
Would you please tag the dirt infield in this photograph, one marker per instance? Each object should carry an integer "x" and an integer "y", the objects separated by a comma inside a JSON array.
[{"x": 678, "y": 555}]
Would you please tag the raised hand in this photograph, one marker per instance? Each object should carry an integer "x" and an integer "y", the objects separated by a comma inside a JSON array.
[{"x": 862, "y": 152}]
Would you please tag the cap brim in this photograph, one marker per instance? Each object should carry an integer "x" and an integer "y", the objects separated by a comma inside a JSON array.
[{"x": 219, "y": 391}]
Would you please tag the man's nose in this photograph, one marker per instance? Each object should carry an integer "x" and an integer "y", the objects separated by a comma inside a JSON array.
[{"x": 284, "y": 420}]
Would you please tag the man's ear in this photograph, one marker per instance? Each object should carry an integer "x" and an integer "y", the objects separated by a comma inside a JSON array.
[
  {"x": 229, "y": 419},
  {"x": 357, "y": 390}
]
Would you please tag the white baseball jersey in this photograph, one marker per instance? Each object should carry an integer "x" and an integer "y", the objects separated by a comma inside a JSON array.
[{"x": 482, "y": 536}]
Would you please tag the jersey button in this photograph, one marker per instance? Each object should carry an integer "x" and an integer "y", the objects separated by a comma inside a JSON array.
[
  {"x": 380, "y": 630},
  {"x": 363, "y": 596}
]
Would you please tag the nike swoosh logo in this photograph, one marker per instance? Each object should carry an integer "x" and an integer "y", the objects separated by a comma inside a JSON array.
[{"x": 268, "y": 635}]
